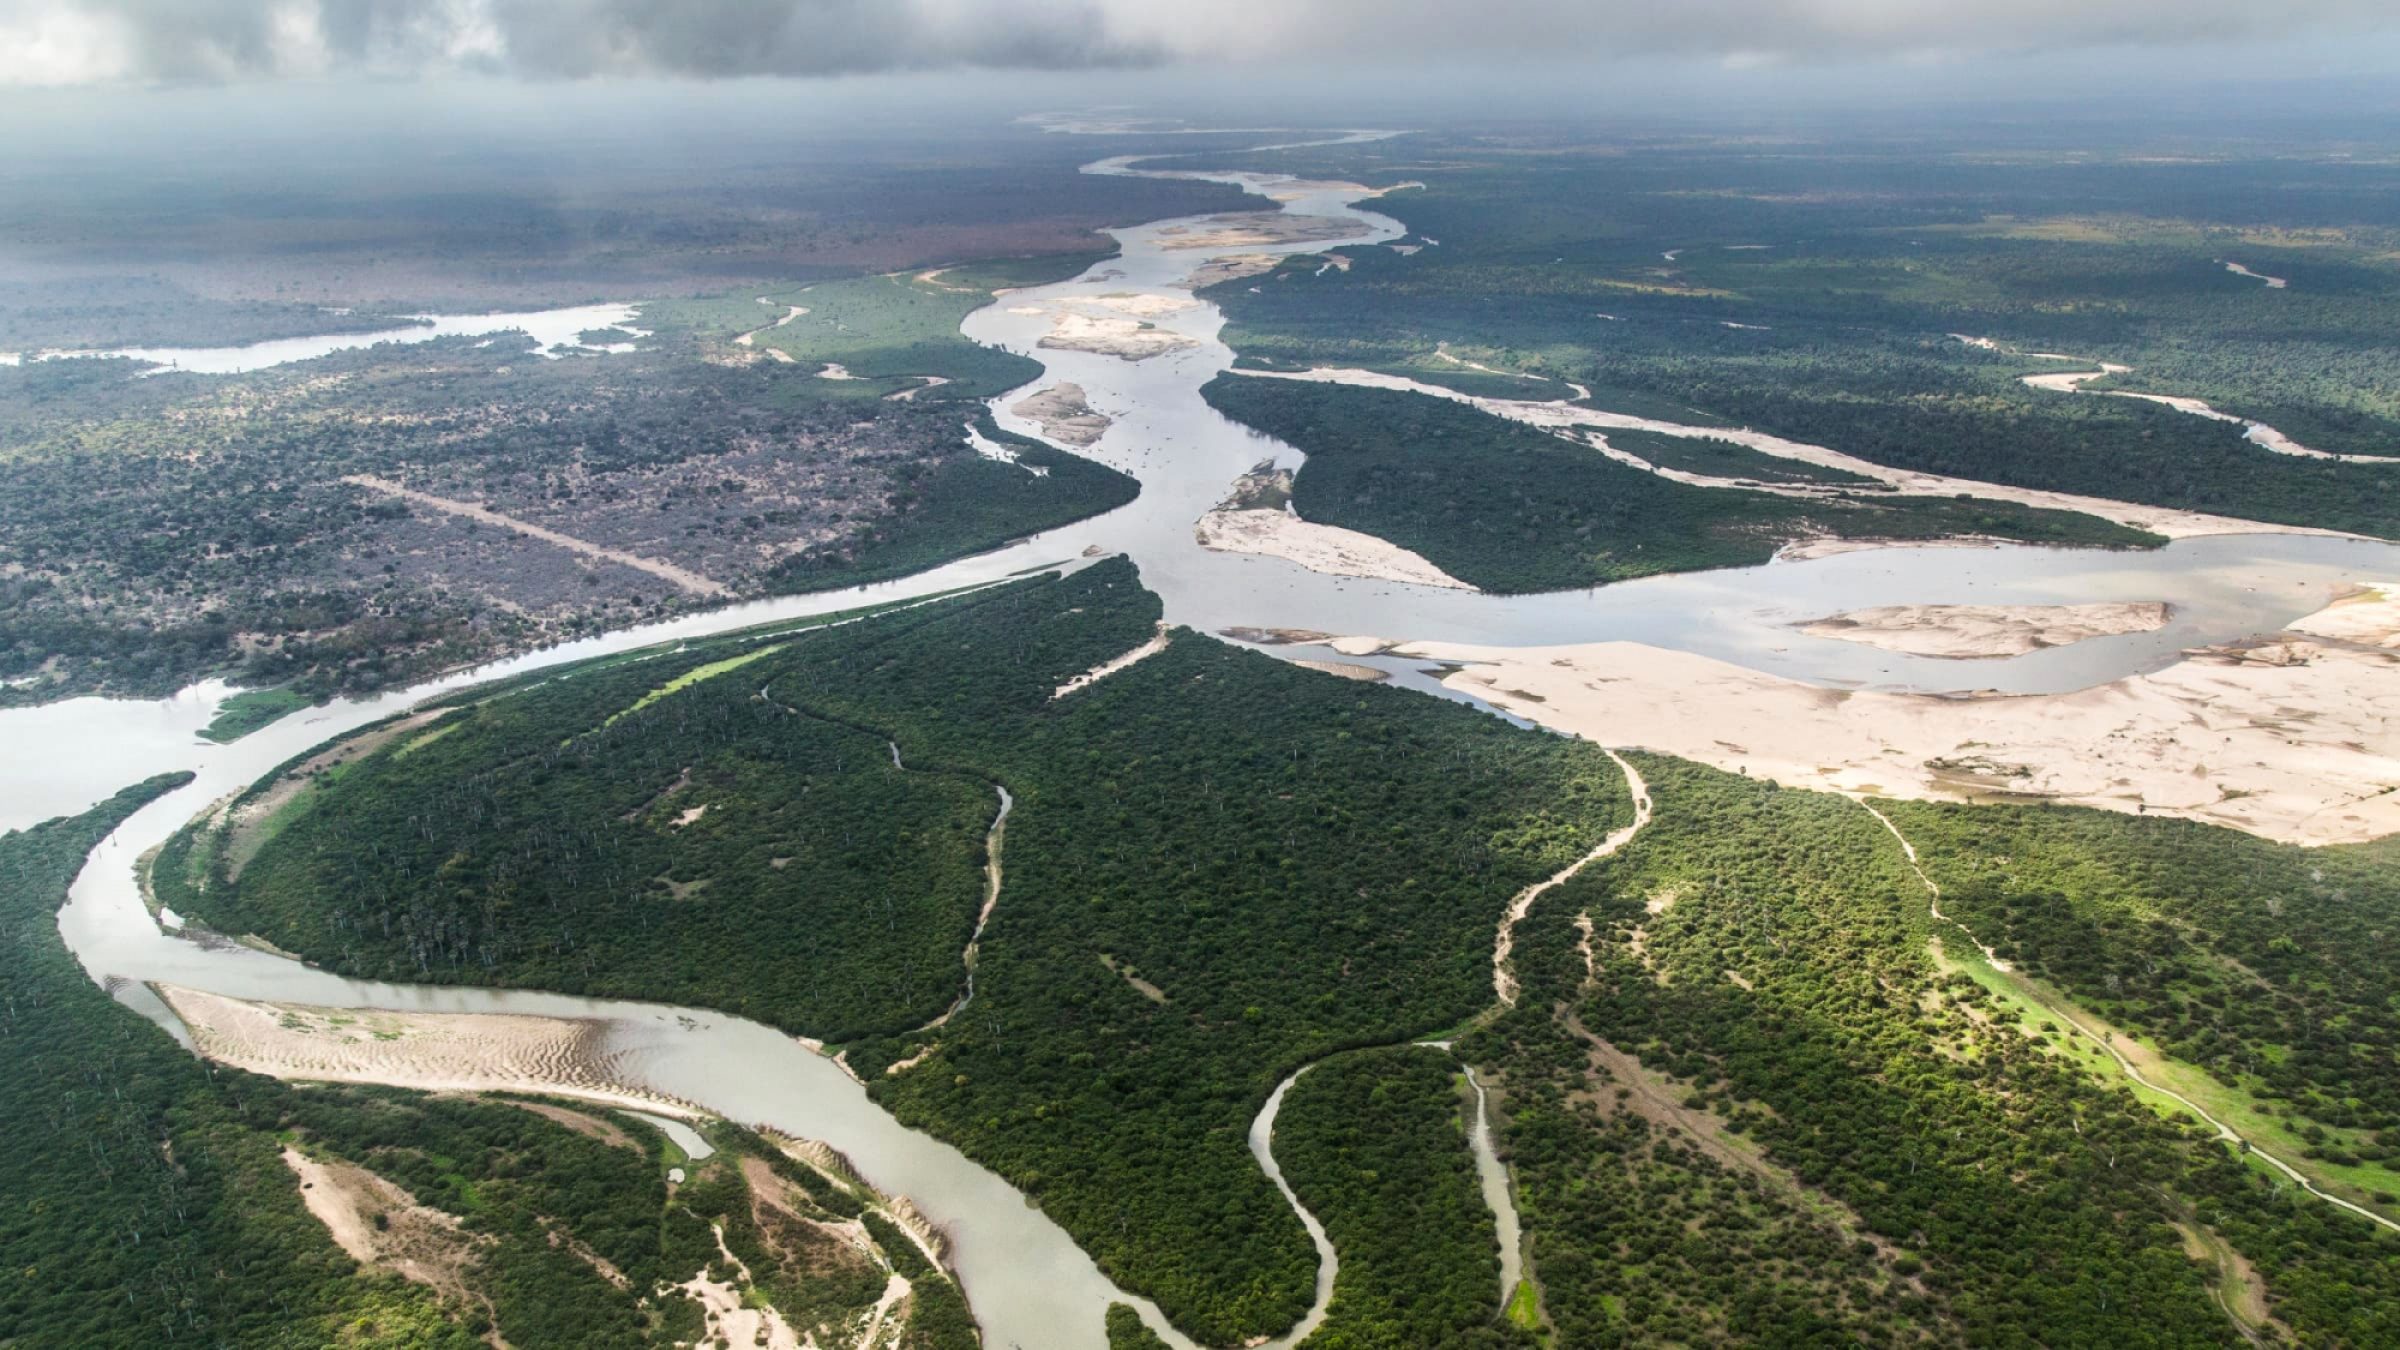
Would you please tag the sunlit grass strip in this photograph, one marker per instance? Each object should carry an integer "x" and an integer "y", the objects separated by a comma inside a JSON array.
[
  {"x": 691, "y": 677},
  {"x": 2243, "y": 1113}
]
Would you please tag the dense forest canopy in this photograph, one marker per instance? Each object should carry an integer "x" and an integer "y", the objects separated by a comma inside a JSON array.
[{"x": 1295, "y": 863}]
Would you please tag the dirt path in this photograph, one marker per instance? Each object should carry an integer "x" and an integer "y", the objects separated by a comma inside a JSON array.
[
  {"x": 2238, "y": 1291},
  {"x": 684, "y": 577},
  {"x": 2033, "y": 993},
  {"x": 1110, "y": 667},
  {"x": 1504, "y": 980}
]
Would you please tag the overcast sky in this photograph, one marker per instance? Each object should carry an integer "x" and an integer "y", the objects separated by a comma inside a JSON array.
[{"x": 90, "y": 43}]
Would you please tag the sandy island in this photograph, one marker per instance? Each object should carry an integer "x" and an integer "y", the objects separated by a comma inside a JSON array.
[
  {"x": 433, "y": 1052},
  {"x": 2293, "y": 736},
  {"x": 1232, "y": 267},
  {"x": 1976, "y": 632},
  {"x": 1319, "y": 548},
  {"x": 1258, "y": 518},
  {"x": 1062, "y": 414},
  {"x": 1129, "y": 339}
]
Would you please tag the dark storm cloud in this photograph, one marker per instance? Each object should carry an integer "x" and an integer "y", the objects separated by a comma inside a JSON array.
[
  {"x": 93, "y": 41},
  {"x": 84, "y": 41}
]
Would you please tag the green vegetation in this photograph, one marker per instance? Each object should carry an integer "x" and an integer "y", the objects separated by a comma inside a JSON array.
[
  {"x": 245, "y": 712},
  {"x": 1508, "y": 507},
  {"x": 2267, "y": 968},
  {"x": 640, "y": 830},
  {"x": 1126, "y": 1331},
  {"x": 153, "y": 1200},
  {"x": 885, "y": 331},
  {"x": 1764, "y": 955},
  {"x": 1300, "y": 863},
  {"x": 1375, "y": 1145},
  {"x": 1524, "y": 1311},
  {"x": 1814, "y": 294}
]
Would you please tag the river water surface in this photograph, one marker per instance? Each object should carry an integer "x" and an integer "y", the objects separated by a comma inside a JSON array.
[{"x": 1027, "y": 1281}]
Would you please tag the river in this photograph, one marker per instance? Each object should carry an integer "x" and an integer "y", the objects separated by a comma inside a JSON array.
[
  {"x": 554, "y": 332},
  {"x": 1027, "y": 1281}
]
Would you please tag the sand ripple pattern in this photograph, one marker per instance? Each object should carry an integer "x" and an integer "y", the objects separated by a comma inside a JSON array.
[{"x": 430, "y": 1051}]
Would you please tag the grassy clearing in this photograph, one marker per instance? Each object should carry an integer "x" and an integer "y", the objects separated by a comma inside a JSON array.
[
  {"x": 689, "y": 678},
  {"x": 884, "y": 331},
  {"x": 1525, "y": 1307}
]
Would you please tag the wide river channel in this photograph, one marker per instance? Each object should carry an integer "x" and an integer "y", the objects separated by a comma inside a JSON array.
[{"x": 1029, "y": 1284}]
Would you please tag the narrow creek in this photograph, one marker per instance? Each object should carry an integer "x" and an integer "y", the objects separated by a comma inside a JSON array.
[{"x": 1028, "y": 1283}]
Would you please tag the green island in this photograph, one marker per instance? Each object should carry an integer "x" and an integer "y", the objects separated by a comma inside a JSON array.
[
  {"x": 1735, "y": 1026},
  {"x": 248, "y": 711},
  {"x": 1511, "y": 508}
]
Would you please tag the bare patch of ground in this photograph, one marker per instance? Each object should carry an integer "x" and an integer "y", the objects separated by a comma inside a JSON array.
[
  {"x": 580, "y": 1122},
  {"x": 1111, "y": 666},
  {"x": 1232, "y": 267},
  {"x": 1969, "y": 632},
  {"x": 1124, "y": 971},
  {"x": 1345, "y": 670},
  {"x": 924, "y": 382},
  {"x": 378, "y": 1224},
  {"x": 731, "y": 1321},
  {"x": 1125, "y": 338}
]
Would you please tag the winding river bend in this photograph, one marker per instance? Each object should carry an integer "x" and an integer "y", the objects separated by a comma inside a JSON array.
[{"x": 1027, "y": 1281}]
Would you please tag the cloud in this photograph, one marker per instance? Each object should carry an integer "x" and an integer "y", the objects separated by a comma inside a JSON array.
[
  {"x": 1757, "y": 30},
  {"x": 73, "y": 42},
  {"x": 77, "y": 42}
]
